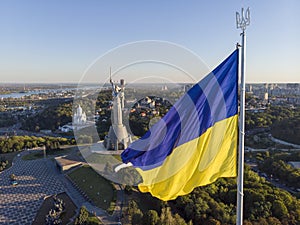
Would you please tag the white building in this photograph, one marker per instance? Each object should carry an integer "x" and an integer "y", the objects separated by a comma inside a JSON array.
[{"x": 79, "y": 117}]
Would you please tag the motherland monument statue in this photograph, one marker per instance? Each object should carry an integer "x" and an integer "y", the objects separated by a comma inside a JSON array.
[{"x": 118, "y": 137}]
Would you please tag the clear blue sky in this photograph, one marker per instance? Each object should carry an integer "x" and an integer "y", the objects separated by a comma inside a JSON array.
[{"x": 55, "y": 41}]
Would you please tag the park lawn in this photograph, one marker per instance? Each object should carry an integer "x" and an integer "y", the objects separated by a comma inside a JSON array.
[
  {"x": 38, "y": 154},
  {"x": 62, "y": 151},
  {"x": 118, "y": 157},
  {"x": 103, "y": 159},
  {"x": 96, "y": 187}
]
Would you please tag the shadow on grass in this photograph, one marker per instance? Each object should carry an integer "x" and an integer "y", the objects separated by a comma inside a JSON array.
[{"x": 97, "y": 188}]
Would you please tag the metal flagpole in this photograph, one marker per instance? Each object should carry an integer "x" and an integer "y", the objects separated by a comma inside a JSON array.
[{"x": 242, "y": 21}]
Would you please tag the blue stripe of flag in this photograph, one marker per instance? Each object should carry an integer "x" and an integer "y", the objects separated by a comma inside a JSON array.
[{"x": 212, "y": 99}]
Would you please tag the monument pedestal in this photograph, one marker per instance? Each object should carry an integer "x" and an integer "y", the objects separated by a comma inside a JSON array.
[{"x": 117, "y": 138}]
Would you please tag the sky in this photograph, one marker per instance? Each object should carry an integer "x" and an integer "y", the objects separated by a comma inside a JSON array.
[{"x": 57, "y": 41}]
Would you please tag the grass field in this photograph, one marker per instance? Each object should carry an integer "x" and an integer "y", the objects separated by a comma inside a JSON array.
[
  {"x": 97, "y": 188},
  {"x": 38, "y": 154},
  {"x": 103, "y": 159}
]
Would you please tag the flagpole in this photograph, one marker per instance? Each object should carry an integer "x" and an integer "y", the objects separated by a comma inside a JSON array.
[{"x": 242, "y": 21}]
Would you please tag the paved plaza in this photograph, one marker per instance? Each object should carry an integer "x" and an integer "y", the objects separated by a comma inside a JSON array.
[{"x": 36, "y": 180}]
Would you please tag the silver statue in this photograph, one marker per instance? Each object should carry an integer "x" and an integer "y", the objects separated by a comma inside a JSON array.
[{"x": 118, "y": 137}]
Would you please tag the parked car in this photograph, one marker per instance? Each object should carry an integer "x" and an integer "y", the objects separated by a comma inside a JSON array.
[{"x": 14, "y": 183}]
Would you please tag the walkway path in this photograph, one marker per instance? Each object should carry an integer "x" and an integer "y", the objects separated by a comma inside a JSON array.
[
  {"x": 284, "y": 142},
  {"x": 20, "y": 203},
  {"x": 36, "y": 180},
  {"x": 79, "y": 201}
]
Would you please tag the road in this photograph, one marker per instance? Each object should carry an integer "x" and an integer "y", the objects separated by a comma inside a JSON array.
[{"x": 284, "y": 142}]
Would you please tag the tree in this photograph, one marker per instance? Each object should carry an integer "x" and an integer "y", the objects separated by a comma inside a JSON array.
[
  {"x": 273, "y": 221},
  {"x": 137, "y": 218},
  {"x": 178, "y": 220},
  {"x": 85, "y": 139},
  {"x": 134, "y": 213},
  {"x": 50, "y": 118},
  {"x": 279, "y": 209},
  {"x": 247, "y": 222},
  {"x": 151, "y": 217},
  {"x": 82, "y": 217},
  {"x": 261, "y": 221},
  {"x": 212, "y": 221},
  {"x": 3, "y": 163},
  {"x": 166, "y": 218},
  {"x": 132, "y": 207}
]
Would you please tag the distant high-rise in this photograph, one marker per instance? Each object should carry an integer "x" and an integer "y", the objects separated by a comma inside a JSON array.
[
  {"x": 249, "y": 88},
  {"x": 122, "y": 94},
  {"x": 293, "y": 85},
  {"x": 164, "y": 88},
  {"x": 266, "y": 97}
]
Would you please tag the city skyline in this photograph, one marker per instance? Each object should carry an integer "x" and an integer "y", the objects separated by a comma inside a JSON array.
[{"x": 55, "y": 42}]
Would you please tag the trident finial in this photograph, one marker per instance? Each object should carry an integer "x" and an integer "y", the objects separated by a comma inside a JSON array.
[{"x": 243, "y": 20}]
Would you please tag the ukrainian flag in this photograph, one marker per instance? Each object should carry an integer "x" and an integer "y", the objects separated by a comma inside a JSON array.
[{"x": 195, "y": 143}]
